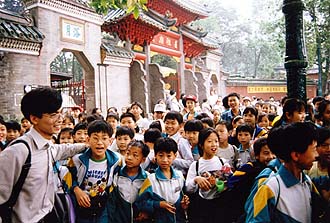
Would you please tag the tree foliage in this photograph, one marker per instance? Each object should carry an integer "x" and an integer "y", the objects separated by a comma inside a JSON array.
[
  {"x": 131, "y": 6},
  {"x": 318, "y": 37}
]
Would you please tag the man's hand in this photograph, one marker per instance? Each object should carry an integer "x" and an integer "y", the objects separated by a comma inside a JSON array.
[{"x": 82, "y": 198}]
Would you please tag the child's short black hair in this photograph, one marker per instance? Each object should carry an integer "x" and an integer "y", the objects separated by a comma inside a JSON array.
[
  {"x": 193, "y": 125},
  {"x": 2, "y": 122},
  {"x": 245, "y": 128},
  {"x": 70, "y": 117},
  {"x": 123, "y": 130},
  {"x": 297, "y": 137},
  {"x": 234, "y": 95},
  {"x": 251, "y": 110},
  {"x": 151, "y": 135},
  {"x": 12, "y": 124},
  {"x": 258, "y": 144},
  {"x": 140, "y": 144},
  {"x": 208, "y": 121},
  {"x": 41, "y": 101},
  {"x": 275, "y": 139},
  {"x": 225, "y": 123},
  {"x": 79, "y": 126},
  {"x": 202, "y": 115},
  {"x": 261, "y": 115},
  {"x": 156, "y": 125},
  {"x": 323, "y": 133},
  {"x": 112, "y": 115},
  {"x": 127, "y": 114},
  {"x": 69, "y": 130},
  {"x": 99, "y": 126},
  {"x": 174, "y": 115},
  {"x": 93, "y": 117},
  {"x": 165, "y": 145}
]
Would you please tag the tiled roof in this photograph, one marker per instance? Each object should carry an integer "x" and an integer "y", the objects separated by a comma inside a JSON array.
[
  {"x": 115, "y": 15},
  {"x": 199, "y": 36},
  {"x": 117, "y": 51},
  {"x": 17, "y": 31},
  {"x": 193, "y": 7}
]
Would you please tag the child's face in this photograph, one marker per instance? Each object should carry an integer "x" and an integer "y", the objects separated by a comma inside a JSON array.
[
  {"x": 264, "y": 122},
  {"x": 297, "y": 116},
  {"x": 80, "y": 136},
  {"x": 172, "y": 126},
  {"x": 324, "y": 151},
  {"x": 244, "y": 138},
  {"x": 128, "y": 122},
  {"x": 216, "y": 116},
  {"x": 192, "y": 137},
  {"x": 3, "y": 133},
  {"x": 305, "y": 160},
  {"x": 190, "y": 105},
  {"x": 136, "y": 110},
  {"x": 265, "y": 155},
  {"x": 25, "y": 124},
  {"x": 134, "y": 157},
  {"x": 250, "y": 119},
  {"x": 210, "y": 146},
  {"x": 112, "y": 122},
  {"x": 122, "y": 142},
  {"x": 66, "y": 137},
  {"x": 12, "y": 134},
  {"x": 98, "y": 142},
  {"x": 222, "y": 132},
  {"x": 239, "y": 122},
  {"x": 266, "y": 108},
  {"x": 67, "y": 123},
  {"x": 165, "y": 159}
]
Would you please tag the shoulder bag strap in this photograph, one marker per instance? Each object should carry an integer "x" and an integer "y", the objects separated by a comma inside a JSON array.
[{"x": 25, "y": 170}]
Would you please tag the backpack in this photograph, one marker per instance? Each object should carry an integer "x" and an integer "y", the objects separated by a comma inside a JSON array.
[{"x": 6, "y": 209}]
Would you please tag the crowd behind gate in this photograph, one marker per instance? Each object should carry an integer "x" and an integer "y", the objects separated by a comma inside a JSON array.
[{"x": 231, "y": 159}]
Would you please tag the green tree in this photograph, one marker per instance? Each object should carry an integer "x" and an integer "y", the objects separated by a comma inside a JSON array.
[
  {"x": 318, "y": 35},
  {"x": 102, "y": 6}
]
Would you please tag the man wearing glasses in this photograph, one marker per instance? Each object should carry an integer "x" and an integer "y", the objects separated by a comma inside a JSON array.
[{"x": 35, "y": 201}]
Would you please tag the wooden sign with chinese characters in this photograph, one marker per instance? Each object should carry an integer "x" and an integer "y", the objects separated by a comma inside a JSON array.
[
  {"x": 167, "y": 41},
  {"x": 72, "y": 31},
  {"x": 267, "y": 89}
]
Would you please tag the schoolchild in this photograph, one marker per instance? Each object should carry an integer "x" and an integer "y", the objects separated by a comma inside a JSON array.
[
  {"x": 238, "y": 120},
  {"x": 126, "y": 184},
  {"x": 92, "y": 174},
  {"x": 13, "y": 130},
  {"x": 234, "y": 103},
  {"x": 263, "y": 121},
  {"x": 124, "y": 136},
  {"x": 293, "y": 111},
  {"x": 68, "y": 122},
  {"x": 241, "y": 182},
  {"x": 150, "y": 137},
  {"x": 207, "y": 122},
  {"x": 203, "y": 175},
  {"x": 289, "y": 195},
  {"x": 244, "y": 135},
  {"x": 192, "y": 129},
  {"x": 128, "y": 120},
  {"x": 161, "y": 195},
  {"x": 250, "y": 115},
  {"x": 113, "y": 119},
  {"x": 26, "y": 125},
  {"x": 191, "y": 101},
  {"x": 65, "y": 136},
  {"x": 80, "y": 133},
  {"x": 226, "y": 150},
  {"x": 3, "y": 134},
  {"x": 173, "y": 122}
]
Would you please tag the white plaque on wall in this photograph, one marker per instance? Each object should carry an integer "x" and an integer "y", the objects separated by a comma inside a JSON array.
[{"x": 72, "y": 31}]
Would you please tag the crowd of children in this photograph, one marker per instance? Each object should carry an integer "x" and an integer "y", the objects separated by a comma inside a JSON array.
[{"x": 236, "y": 163}]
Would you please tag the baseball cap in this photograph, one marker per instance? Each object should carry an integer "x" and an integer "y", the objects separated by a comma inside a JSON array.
[{"x": 159, "y": 108}]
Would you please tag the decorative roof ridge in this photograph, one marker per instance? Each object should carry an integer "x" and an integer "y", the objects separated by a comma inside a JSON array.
[
  {"x": 161, "y": 18},
  {"x": 199, "y": 33},
  {"x": 73, "y": 9},
  {"x": 193, "y": 7},
  {"x": 116, "y": 51},
  {"x": 20, "y": 46}
]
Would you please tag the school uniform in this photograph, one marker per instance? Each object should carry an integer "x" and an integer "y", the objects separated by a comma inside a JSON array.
[{"x": 157, "y": 188}]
